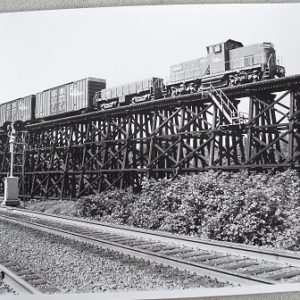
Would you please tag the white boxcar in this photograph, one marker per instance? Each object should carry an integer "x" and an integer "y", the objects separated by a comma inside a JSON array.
[
  {"x": 21, "y": 109},
  {"x": 71, "y": 97}
]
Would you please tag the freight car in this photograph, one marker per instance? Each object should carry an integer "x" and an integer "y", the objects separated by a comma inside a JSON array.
[
  {"x": 139, "y": 91},
  {"x": 69, "y": 98},
  {"x": 73, "y": 97},
  {"x": 228, "y": 63},
  {"x": 21, "y": 109}
]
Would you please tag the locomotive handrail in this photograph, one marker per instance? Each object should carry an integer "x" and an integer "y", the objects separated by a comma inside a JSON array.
[{"x": 227, "y": 107}]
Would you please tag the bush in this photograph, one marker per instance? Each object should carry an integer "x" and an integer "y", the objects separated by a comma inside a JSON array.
[
  {"x": 114, "y": 203},
  {"x": 255, "y": 209}
]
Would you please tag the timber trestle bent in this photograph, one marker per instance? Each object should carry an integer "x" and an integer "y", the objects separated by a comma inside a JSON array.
[{"x": 88, "y": 153}]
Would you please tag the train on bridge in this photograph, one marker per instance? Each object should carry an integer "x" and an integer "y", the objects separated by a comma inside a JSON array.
[{"x": 226, "y": 64}]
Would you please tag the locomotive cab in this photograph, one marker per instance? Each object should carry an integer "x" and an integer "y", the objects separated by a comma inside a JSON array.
[{"x": 218, "y": 56}]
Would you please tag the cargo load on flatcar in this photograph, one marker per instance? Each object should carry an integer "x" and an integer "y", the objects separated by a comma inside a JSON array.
[
  {"x": 133, "y": 92},
  {"x": 21, "y": 109},
  {"x": 68, "y": 98}
]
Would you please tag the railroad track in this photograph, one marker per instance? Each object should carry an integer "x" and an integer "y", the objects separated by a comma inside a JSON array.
[
  {"x": 19, "y": 279},
  {"x": 226, "y": 262}
]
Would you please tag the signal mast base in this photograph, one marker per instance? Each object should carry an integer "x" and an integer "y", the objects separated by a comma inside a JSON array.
[{"x": 11, "y": 191}]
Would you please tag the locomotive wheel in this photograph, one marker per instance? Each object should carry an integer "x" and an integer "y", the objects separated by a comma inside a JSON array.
[
  {"x": 258, "y": 77},
  {"x": 230, "y": 81}
]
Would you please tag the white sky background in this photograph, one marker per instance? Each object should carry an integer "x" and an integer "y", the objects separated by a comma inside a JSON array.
[{"x": 39, "y": 50}]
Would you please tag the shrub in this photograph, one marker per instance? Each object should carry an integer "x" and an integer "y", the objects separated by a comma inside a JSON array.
[{"x": 256, "y": 209}]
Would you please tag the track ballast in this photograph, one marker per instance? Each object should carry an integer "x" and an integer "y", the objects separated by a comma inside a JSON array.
[{"x": 235, "y": 264}]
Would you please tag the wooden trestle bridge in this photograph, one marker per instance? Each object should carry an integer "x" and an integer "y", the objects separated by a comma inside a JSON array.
[{"x": 88, "y": 153}]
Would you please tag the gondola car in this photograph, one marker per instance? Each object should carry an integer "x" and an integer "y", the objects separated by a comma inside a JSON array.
[{"x": 138, "y": 91}]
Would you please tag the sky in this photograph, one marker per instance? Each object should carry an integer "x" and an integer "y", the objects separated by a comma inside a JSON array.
[{"x": 43, "y": 49}]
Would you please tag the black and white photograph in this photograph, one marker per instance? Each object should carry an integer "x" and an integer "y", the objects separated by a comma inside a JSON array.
[{"x": 150, "y": 152}]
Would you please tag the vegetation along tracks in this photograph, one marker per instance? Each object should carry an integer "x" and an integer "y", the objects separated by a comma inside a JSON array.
[{"x": 225, "y": 261}]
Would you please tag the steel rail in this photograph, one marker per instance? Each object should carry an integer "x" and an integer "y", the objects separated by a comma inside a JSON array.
[
  {"x": 199, "y": 268},
  {"x": 17, "y": 283},
  {"x": 269, "y": 86},
  {"x": 233, "y": 248}
]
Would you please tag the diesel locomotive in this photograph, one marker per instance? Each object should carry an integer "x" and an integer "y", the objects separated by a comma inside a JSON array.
[{"x": 226, "y": 64}]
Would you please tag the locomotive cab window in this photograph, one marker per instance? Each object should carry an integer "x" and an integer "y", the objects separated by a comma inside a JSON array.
[
  {"x": 218, "y": 49},
  {"x": 210, "y": 49}
]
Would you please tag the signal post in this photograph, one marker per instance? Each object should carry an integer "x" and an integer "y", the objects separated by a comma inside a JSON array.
[{"x": 11, "y": 183}]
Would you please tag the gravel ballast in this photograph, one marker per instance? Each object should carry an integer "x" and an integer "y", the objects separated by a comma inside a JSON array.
[
  {"x": 73, "y": 267},
  {"x": 5, "y": 289}
]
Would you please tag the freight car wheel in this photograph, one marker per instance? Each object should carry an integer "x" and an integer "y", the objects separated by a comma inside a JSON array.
[
  {"x": 7, "y": 126},
  {"x": 19, "y": 125}
]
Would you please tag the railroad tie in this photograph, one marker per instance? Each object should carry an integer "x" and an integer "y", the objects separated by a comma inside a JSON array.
[
  {"x": 286, "y": 275},
  {"x": 193, "y": 254},
  {"x": 264, "y": 270},
  {"x": 241, "y": 265},
  {"x": 24, "y": 272},
  {"x": 10, "y": 264},
  {"x": 207, "y": 257},
  {"x": 38, "y": 282},
  {"x": 176, "y": 251},
  {"x": 31, "y": 277}
]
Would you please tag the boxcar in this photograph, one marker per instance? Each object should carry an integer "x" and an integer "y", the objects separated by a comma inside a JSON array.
[
  {"x": 21, "y": 109},
  {"x": 68, "y": 98}
]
